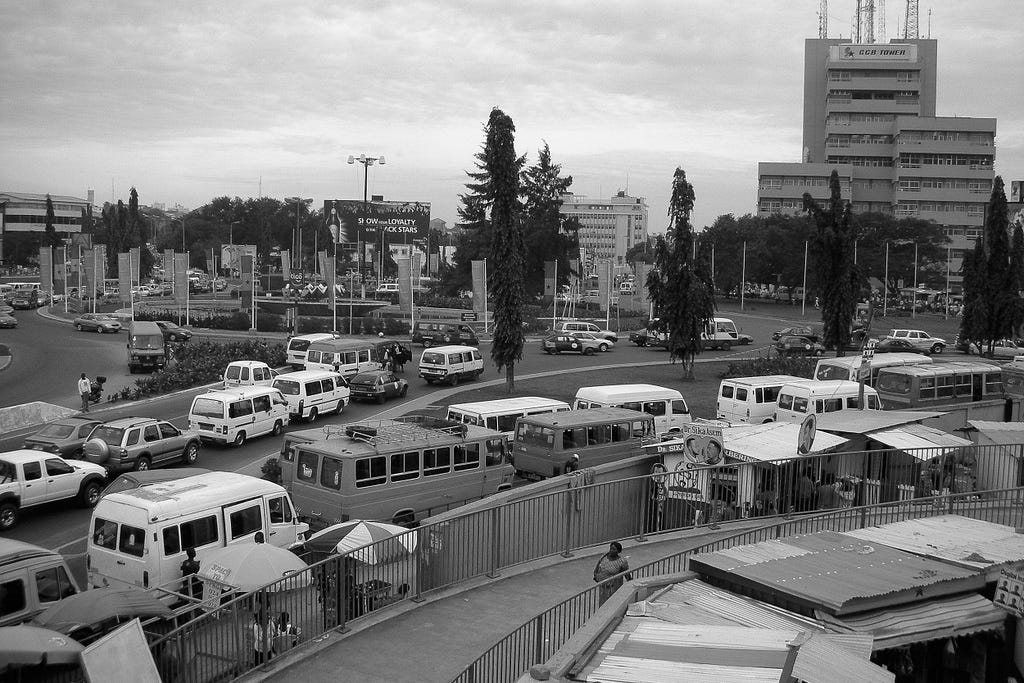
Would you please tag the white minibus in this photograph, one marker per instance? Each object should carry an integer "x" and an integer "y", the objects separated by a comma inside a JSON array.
[
  {"x": 721, "y": 333},
  {"x": 501, "y": 414},
  {"x": 311, "y": 393},
  {"x": 299, "y": 345},
  {"x": 666, "y": 405},
  {"x": 451, "y": 364},
  {"x": 234, "y": 415},
  {"x": 846, "y": 367},
  {"x": 751, "y": 399},
  {"x": 248, "y": 373},
  {"x": 346, "y": 356},
  {"x": 798, "y": 399},
  {"x": 139, "y": 537}
]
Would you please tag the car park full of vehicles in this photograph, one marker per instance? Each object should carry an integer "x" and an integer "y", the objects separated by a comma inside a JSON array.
[
  {"x": 29, "y": 478},
  {"x": 96, "y": 322},
  {"x": 138, "y": 443},
  {"x": 377, "y": 385},
  {"x": 63, "y": 437},
  {"x": 173, "y": 332},
  {"x": 920, "y": 339},
  {"x": 570, "y": 343}
]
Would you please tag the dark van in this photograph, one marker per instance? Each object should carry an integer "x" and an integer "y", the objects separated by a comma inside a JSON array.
[{"x": 430, "y": 334}]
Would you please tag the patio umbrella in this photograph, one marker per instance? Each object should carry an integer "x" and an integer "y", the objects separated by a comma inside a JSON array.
[
  {"x": 93, "y": 606},
  {"x": 248, "y": 566},
  {"x": 356, "y": 535},
  {"x": 30, "y": 645}
]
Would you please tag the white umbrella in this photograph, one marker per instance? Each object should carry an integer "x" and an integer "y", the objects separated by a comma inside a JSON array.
[
  {"x": 248, "y": 566},
  {"x": 355, "y": 536}
]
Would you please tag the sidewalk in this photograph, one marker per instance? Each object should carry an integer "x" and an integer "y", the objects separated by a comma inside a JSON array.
[{"x": 436, "y": 640}]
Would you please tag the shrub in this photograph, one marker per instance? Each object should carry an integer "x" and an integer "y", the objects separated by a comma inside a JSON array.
[
  {"x": 271, "y": 470},
  {"x": 771, "y": 365}
]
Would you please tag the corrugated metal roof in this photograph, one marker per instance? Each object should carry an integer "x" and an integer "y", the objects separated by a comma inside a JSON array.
[
  {"x": 823, "y": 660},
  {"x": 940, "y": 618},
  {"x": 697, "y": 602},
  {"x": 911, "y": 437},
  {"x": 836, "y": 572},
  {"x": 952, "y": 538},
  {"x": 867, "y": 421},
  {"x": 760, "y": 443},
  {"x": 1002, "y": 433}
]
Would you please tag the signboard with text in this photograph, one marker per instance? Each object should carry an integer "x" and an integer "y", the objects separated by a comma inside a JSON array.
[
  {"x": 889, "y": 52},
  {"x": 354, "y": 220}
]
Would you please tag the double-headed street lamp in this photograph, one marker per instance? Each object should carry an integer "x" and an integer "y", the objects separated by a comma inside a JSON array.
[
  {"x": 297, "y": 235},
  {"x": 367, "y": 162}
]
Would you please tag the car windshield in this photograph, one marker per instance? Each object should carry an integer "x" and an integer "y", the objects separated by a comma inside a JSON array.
[
  {"x": 108, "y": 435},
  {"x": 287, "y": 387},
  {"x": 432, "y": 358},
  {"x": 147, "y": 341},
  {"x": 208, "y": 407},
  {"x": 56, "y": 431},
  {"x": 363, "y": 378}
]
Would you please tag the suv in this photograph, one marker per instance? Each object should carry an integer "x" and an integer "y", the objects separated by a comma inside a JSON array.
[
  {"x": 920, "y": 340},
  {"x": 136, "y": 443},
  {"x": 429, "y": 334},
  {"x": 29, "y": 478},
  {"x": 572, "y": 326}
]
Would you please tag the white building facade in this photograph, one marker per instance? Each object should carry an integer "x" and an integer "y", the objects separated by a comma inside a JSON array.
[{"x": 608, "y": 227}]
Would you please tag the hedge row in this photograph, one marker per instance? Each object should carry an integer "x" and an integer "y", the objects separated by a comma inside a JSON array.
[{"x": 771, "y": 365}]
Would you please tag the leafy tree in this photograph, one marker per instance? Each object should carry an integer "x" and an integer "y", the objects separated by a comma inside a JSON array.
[
  {"x": 838, "y": 276},
  {"x": 680, "y": 287},
  {"x": 974, "y": 320},
  {"x": 641, "y": 251},
  {"x": 546, "y": 235},
  {"x": 875, "y": 230},
  {"x": 507, "y": 247},
  {"x": 138, "y": 228}
]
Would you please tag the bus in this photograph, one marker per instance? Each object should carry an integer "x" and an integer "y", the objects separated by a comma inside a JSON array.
[
  {"x": 399, "y": 470},
  {"x": 846, "y": 367},
  {"x": 544, "y": 443},
  {"x": 666, "y": 405},
  {"x": 501, "y": 414},
  {"x": 922, "y": 386}
]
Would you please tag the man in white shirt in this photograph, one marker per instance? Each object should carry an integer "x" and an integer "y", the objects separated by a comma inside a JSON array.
[{"x": 84, "y": 388}]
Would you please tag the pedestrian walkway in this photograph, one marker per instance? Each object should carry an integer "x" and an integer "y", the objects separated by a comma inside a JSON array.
[{"x": 436, "y": 640}]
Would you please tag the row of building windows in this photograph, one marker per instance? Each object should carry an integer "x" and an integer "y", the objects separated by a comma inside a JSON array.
[
  {"x": 846, "y": 118},
  {"x": 776, "y": 182},
  {"x": 962, "y": 231},
  {"x": 41, "y": 220},
  {"x": 913, "y": 208},
  {"x": 973, "y": 161},
  {"x": 923, "y": 136},
  {"x": 875, "y": 162},
  {"x": 848, "y": 96},
  {"x": 847, "y": 140},
  {"x": 900, "y": 76},
  {"x": 918, "y": 184}
]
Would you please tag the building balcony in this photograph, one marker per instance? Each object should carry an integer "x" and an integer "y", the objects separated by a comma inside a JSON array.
[
  {"x": 844, "y": 105},
  {"x": 944, "y": 147},
  {"x": 859, "y": 128},
  {"x": 796, "y": 192},
  {"x": 935, "y": 194},
  {"x": 964, "y": 171},
  {"x": 950, "y": 217}
]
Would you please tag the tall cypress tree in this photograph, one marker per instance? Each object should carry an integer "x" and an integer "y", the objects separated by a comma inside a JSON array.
[
  {"x": 52, "y": 239},
  {"x": 506, "y": 273},
  {"x": 680, "y": 287},
  {"x": 839, "y": 276}
]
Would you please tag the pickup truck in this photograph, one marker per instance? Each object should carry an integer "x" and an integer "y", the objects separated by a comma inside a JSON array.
[{"x": 29, "y": 478}]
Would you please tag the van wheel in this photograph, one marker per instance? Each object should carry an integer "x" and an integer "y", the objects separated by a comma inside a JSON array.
[
  {"x": 191, "y": 453},
  {"x": 313, "y": 414},
  {"x": 142, "y": 464},
  {"x": 239, "y": 439},
  {"x": 447, "y": 339},
  {"x": 8, "y": 516},
  {"x": 427, "y": 343},
  {"x": 91, "y": 494},
  {"x": 278, "y": 428},
  {"x": 937, "y": 348},
  {"x": 341, "y": 406}
]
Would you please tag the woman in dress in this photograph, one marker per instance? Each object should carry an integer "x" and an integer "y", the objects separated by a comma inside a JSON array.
[{"x": 612, "y": 563}]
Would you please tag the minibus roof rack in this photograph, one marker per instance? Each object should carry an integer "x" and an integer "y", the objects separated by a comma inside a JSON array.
[{"x": 381, "y": 432}]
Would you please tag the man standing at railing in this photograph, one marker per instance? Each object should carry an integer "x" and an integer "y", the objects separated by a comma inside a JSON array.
[{"x": 572, "y": 464}]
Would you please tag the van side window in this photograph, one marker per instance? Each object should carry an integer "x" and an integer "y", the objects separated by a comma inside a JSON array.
[
  {"x": 600, "y": 434},
  {"x": 477, "y": 356},
  {"x": 131, "y": 540},
  {"x": 574, "y": 438},
  {"x": 327, "y": 384},
  {"x": 306, "y": 471},
  {"x": 495, "y": 452},
  {"x": 831, "y": 405},
  {"x": 261, "y": 404},
  {"x": 656, "y": 408},
  {"x": 873, "y": 402},
  {"x": 330, "y": 474},
  {"x": 621, "y": 432},
  {"x": 172, "y": 541},
  {"x": 246, "y": 521},
  {"x": 199, "y": 532},
  {"x": 467, "y": 456},
  {"x": 371, "y": 471},
  {"x": 53, "y": 584},
  {"x": 104, "y": 534},
  {"x": 741, "y": 394},
  {"x": 240, "y": 408},
  {"x": 799, "y": 404},
  {"x": 786, "y": 401},
  {"x": 12, "y": 597},
  {"x": 280, "y": 511},
  {"x": 507, "y": 423},
  {"x": 313, "y": 388},
  {"x": 632, "y": 405},
  {"x": 364, "y": 356},
  {"x": 405, "y": 466},
  {"x": 437, "y": 460},
  {"x": 640, "y": 428},
  {"x": 679, "y": 407},
  {"x": 245, "y": 374}
]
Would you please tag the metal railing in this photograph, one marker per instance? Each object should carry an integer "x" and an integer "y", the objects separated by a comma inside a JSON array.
[
  {"x": 540, "y": 638},
  {"x": 223, "y": 637}
]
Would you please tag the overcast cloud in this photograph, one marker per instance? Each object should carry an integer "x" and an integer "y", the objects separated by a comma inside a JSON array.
[{"x": 192, "y": 100}]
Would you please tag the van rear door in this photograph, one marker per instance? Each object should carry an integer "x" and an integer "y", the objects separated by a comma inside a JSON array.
[
  {"x": 117, "y": 547},
  {"x": 242, "y": 521}
]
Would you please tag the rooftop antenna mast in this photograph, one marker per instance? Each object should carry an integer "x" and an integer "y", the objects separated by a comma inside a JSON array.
[
  {"x": 867, "y": 19},
  {"x": 856, "y": 23},
  {"x": 823, "y": 19},
  {"x": 880, "y": 11},
  {"x": 910, "y": 30}
]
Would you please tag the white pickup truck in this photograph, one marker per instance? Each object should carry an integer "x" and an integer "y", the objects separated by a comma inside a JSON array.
[{"x": 29, "y": 478}]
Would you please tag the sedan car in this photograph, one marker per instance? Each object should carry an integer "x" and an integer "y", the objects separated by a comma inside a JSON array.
[
  {"x": 21, "y": 303},
  {"x": 8, "y": 321},
  {"x": 96, "y": 322},
  {"x": 174, "y": 332},
  {"x": 1006, "y": 349},
  {"x": 602, "y": 343},
  {"x": 801, "y": 331},
  {"x": 742, "y": 338},
  {"x": 792, "y": 345},
  {"x": 895, "y": 346},
  {"x": 376, "y": 385},
  {"x": 63, "y": 437},
  {"x": 570, "y": 343},
  {"x": 5, "y": 309}
]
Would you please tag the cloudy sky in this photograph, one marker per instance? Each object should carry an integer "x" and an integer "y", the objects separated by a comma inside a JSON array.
[{"x": 192, "y": 100}]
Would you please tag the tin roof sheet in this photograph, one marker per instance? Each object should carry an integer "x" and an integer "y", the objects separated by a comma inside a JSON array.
[
  {"x": 835, "y": 572},
  {"x": 1002, "y": 433},
  {"x": 867, "y": 421},
  {"x": 920, "y": 441},
  {"x": 761, "y": 443},
  {"x": 967, "y": 542}
]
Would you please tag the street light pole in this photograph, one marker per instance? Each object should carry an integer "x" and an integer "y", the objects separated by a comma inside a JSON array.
[
  {"x": 367, "y": 162},
  {"x": 297, "y": 235}
]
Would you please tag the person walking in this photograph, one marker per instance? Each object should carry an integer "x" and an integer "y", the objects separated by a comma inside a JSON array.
[
  {"x": 572, "y": 464},
  {"x": 84, "y": 389},
  {"x": 612, "y": 563}
]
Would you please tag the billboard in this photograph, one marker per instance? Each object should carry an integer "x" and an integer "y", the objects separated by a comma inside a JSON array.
[
  {"x": 231, "y": 255},
  {"x": 352, "y": 220}
]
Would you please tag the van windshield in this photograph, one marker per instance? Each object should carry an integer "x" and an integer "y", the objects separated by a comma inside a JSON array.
[
  {"x": 431, "y": 358},
  {"x": 287, "y": 387},
  {"x": 298, "y": 344},
  {"x": 208, "y": 407},
  {"x": 233, "y": 372},
  {"x": 147, "y": 341}
]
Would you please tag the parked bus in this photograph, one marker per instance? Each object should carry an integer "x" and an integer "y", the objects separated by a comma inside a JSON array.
[
  {"x": 846, "y": 367},
  {"x": 903, "y": 388},
  {"x": 666, "y": 405},
  {"x": 398, "y": 470},
  {"x": 501, "y": 414},
  {"x": 544, "y": 443}
]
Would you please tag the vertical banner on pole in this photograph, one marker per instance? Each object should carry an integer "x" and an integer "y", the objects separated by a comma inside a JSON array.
[
  {"x": 136, "y": 265},
  {"x": 60, "y": 271},
  {"x": 604, "y": 284},
  {"x": 321, "y": 257},
  {"x": 405, "y": 284},
  {"x": 101, "y": 266},
  {"x": 549, "y": 278},
  {"x": 286, "y": 266},
  {"x": 180, "y": 271},
  {"x": 642, "y": 269},
  {"x": 432, "y": 263},
  {"x": 168, "y": 265},
  {"x": 46, "y": 270},
  {"x": 246, "y": 287},
  {"x": 479, "y": 286},
  {"x": 124, "y": 278},
  {"x": 330, "y": 276}
]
